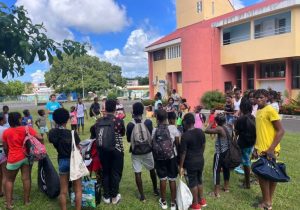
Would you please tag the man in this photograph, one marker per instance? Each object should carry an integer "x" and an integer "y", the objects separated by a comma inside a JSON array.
[
  {"x": 95, "y": 109},
  {"x": 141, "y": 155},
  {"x": 81, "y": 111},
  {"x": 236, "y": 102},
  {"x": 176, "y": 98},
  {"x": 51, "y": 106},
  {"x": 109, "y": 132}
]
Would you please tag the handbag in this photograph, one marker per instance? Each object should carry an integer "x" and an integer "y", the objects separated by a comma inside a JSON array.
[
  {"x": 77, "y": 166},
  {"x": 270, "y": 170}
]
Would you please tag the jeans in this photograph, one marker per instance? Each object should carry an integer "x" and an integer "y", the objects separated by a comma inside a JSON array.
[{"x": 112, "y": 168}]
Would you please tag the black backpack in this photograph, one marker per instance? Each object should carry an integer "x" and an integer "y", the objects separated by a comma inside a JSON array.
[
  {"x": 140, "y": 139},
  {"x": 233, "y": 157},
  {"x": 105, "y": 133},
  {"x": 162, "y": 146}
]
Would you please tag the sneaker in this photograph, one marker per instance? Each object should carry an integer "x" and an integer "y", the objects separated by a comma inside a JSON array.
[
  {"x": 156, "y": 192},
  {"x": 116, "y": 199},
  {"x": 195, "y": 206},
  {"x": 173, "y": 206},
  {"x": 163, "y": 204},
  {"x": 106, "y": 200},
  {"x": 203, "y": 202}
]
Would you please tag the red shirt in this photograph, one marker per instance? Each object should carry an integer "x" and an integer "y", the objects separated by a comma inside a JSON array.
[
  {"x": 211, "y": 120},
  {"x": 14, "y": 137}
]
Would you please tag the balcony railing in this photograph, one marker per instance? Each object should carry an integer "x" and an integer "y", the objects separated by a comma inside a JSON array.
[
  {"x": 236, "y": 39},
  {"x": 276, "y": 31}
]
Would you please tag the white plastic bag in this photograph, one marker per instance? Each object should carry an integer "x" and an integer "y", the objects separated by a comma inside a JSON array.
[
  {"x": 77, "y": 166},
  {"x": 184, "y": 197}
]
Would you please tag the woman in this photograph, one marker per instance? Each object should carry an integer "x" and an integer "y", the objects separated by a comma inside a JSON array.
[
  {"x": 13, "y": 140},
  {"x": 269, "y": 132},
  {"x": 170, "y": 106},
  {"x": 221, "y": 149}
]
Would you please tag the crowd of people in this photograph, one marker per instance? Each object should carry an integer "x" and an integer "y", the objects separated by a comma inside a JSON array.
[{"x": 175, "y": 147}]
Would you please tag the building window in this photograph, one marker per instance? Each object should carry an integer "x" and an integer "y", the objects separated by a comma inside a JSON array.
[
  {"x": 174, "y": 52},
  {"x": 296, "y": 75},
  {"x": 199, "y": 6},
  {"x": 236, "y": 33},
  {"x": 179, "y": 77},
  {"x": 159, "y": 55},
  {"x": 250, "y": 77},
  {"x": 271, "y": 70},
  {"x": 239, "y": 77},
  {"x": 272, "y": 25}
]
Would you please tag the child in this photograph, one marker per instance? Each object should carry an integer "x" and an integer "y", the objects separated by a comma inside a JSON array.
[
  {"x": 211, "y": 121},
  {"x": 192, "y": 159},
  {"x": 61, "y": 138},
  {"x": 164, "y": 153},
  {"x": 2, "y": 154},
  {"x": 73, "y": 118},
  {"x": 221, "y": 150},
  {"x": 199, "y": 117},
  {"x": 149, "y": 112},
  {"x": 172, "y": 126},
  {"x": 183, "y": 109},
  {"x": 229, "y": 110},
  {"x": 41, "y": 122},
  {"x": 27, "y": 119},
  {"x": 5, "y": 113}
]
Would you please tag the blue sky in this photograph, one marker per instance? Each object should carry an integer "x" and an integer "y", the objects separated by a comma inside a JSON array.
[{"x": 118, "y": 30}]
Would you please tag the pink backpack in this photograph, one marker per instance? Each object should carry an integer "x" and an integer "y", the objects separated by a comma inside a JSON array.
[
  {"x": 198, "y": 121},
  {"x": 35, "y": 150}
]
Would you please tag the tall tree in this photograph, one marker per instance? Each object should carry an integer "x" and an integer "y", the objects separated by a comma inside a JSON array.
[
  {"x": 67, "y": 75},
  {"x": 15, "y": 88},
  {"x": 21, "y": 42},
  {"x": 28, "y": 88}
]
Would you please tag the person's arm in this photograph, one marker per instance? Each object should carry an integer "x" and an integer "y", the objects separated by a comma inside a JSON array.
[
  {"x": 37, "y": 123},
  {"x": 122, "y": 128},
  {"x": 279, "y": 134},
  {"x": 5, "y": 148},
  {"x": 129, "y": 130},
  {"x": 85, "y": 112},
  {"x": 210, "y": 130},
  {"x": 183, "y": 148}
]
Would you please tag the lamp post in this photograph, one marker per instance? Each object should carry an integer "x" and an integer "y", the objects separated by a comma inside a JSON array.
[{"x": 82, "y": 82}]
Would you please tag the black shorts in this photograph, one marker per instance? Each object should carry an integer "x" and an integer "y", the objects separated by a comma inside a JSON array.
[
  {"x": 74, "y": 127},
  {"x": 194, "y": 177},
  {"x": 167, "y": 169}
]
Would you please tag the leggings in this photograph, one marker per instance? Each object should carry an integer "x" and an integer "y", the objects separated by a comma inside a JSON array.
[{"x": 218, "y": 164}]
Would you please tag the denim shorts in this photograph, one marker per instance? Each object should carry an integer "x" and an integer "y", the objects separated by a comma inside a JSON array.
[
  {"x": 246, "y": 156},
  {"x": 80, "y": 121},
  {"x": 64, "y": 166}
]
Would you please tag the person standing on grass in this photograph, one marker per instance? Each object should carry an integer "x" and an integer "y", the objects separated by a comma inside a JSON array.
[
  {"x": 273, "y": 97},
  {"x": 269, "y": 132},
  {"x": 221, "y": 150},
  {"x": 13, "y": 140},
  {"x": 61, "y": 138},
  {"x": 253, "y": 102},
  {"x": 5, "y": 109},
  {"x": 138, "y": 133},
  {"x": 246, "y": 133},
  {"x": 192, "y": 160},
  {"x": 73, "y": 118},
  {"x": 95, "y": 109},
  {"x": 165, "y": 157},
  {"x": 81, "y": 111},
  {"x": 176, "y": 99},
  {"x": 158, "y": 101},
  {"x": 120, "y": 111},
  {"x": 111, "y": 151},
  {"x": 51, "y": 106},
  {"x": 170, "y": 106},
  {"x": 41, "y": 122},
  {"x": 3, "y": 158},
  {"x": 236, "y": 103}
]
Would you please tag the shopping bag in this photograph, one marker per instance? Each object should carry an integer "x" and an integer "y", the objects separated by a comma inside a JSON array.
[
  {"x": 77, "y": 166},
  {"x": 91, "y": 193},
  {"x": 184, "y": 197}
]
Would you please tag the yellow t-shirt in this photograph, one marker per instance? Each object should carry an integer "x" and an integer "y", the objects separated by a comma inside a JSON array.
[{"x": 265, "y": 131}]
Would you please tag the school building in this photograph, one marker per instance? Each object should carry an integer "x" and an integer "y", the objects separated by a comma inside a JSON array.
[{"x": 217, "y": 47}]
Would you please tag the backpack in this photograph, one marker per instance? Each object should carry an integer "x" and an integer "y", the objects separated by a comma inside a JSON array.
[
  {"x": 105, "y": 134},
  {"x": 162, "y": 146},
  {"x": 140, "y": 139},
  {"x": 86, "y": 150},
  {"x": 34, "y": 149},
  {"x": 233, "y": 157}
]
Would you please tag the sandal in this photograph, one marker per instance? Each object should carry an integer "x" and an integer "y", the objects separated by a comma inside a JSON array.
[
  {"x": 226, "y": 190},
  {"x": 10, "y": 207},
  {"x": 264, "y": 206},
  {"x": 215, "y": 195}
]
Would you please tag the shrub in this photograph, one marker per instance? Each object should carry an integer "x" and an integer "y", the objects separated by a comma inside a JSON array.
[
  {"x": 148, "y": 102},
  {"x": 212, "y": 98},
  {"x": 219, "y": 106},
  {"x": 112, "y": 95},
  {"x": 290, "y": 109}
]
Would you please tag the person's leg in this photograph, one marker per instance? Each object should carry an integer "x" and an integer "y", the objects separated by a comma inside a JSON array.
[
  {"x": 4, "y": 174},
  {"x": 106, "y": 168},
  {"x": 192, "y": 183},
  {"x": 265, "y": 190},
  {"x": 272, "y": 187},
  {"x": 64, "y": 184},
  {"x": 26, "y": 172},
  {"x": 117, "y": 164},
  {"x": 163, "y": 188},
  {"x": 78, "y": 193},
  {"x": 9, "y": 186},
  {"x": 247, "y": 171},
  {"x": 139, "y": 184},
  {"x": 154, "y": 181},
  {"x": 216, "y": 174},
  {"x": 82, "y": 124},
  {"x": 172, "y": 184},
  {"x": 2, "y": 177}
]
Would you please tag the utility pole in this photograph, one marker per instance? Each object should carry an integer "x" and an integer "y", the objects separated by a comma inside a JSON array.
[{"x": 82, "y": 82}]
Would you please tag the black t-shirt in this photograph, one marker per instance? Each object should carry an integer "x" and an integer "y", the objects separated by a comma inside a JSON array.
[
  {"x": 228, "y": 108},
  {"x": 193, "y": 143},
  {"x": 245, "y": 129},
  {"x": 95, "y": 107},
  {"x": 62, "y": 141}
]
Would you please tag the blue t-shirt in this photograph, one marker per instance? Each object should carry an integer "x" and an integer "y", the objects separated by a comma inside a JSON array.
[
  {"x": 27, "y": 121},
  {"x": 52, "y": 106}
]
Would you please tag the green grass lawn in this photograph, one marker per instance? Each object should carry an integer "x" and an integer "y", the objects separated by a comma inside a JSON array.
[{"x": 286, "y": 196}]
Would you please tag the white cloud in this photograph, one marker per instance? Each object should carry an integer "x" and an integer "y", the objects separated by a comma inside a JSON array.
[
  {"x": 132, "y": 58},
  {"x": 238, "y": 4},
  {"x": 38, "y": 76},
  {"x": 89, "y": 16}
]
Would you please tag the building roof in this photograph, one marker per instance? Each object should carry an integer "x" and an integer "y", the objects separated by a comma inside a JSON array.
[{"x": 177, "y": 34}]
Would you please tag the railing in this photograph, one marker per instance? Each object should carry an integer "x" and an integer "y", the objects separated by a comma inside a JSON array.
[
  {"x": 276, "y": 31},
  {"x": 236, "y": 39}
]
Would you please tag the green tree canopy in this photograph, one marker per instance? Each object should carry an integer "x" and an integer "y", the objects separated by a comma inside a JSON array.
[
  {"x": 15, "y": 88},
  {"x": 21, "y": 42},
  {"x": 66, "y": 75}
]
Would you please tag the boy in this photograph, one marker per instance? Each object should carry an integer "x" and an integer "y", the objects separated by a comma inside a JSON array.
[
  {"x": 41, "y": 122},
  {"x": 192, "y": 160},
  {"x": 81, "y": 111},
  {"x": 5, "y": 109},
  {"x": 141, "y": 158},
  {"x": 164, "y": 153}
]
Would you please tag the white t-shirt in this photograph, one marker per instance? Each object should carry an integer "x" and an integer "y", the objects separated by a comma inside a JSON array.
[
  {"x": 275, "y": 106},
  {"x": 237, "y": 104},
  {"x": 80, "y": 110},
  {"x": 2, "y": 129},
  {"x": 254, "y": 109},
  {"x": 174, "y": 132},
  {"x": 176, "y": 98}
]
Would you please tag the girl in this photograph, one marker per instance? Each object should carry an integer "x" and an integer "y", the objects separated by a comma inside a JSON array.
[
  {"x": 61, "y": 138},
  {"x": 221, "y": 149},
  {"x": 149, "y": 112},
  {"x": 41, "y": 122},
  {"x": 13, "y": 140},
  {"x": 73, "y": 118},
  {"x": 229, "y": 109},
  {"x": 27, "y": 119},
  {"x": 211, "y": 121},
  {"x": 199, "y": 117},
  {"x": 183, "y": 109},
  {"x": 2, "y": 154},
  {"x": 170, "y": 106}
]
